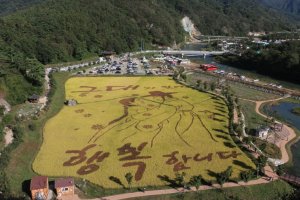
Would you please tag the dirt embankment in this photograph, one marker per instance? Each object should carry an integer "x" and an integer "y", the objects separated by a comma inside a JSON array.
[
  {"x": 8, "y": 133},
  {"x": 6, "y": 105}
]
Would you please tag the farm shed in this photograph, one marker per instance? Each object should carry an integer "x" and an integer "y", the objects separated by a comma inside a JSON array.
[
  {"x": 64, "y": 187},
  {"x": 39, "y": 188}
]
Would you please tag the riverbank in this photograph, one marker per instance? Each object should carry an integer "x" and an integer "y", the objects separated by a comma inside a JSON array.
[
  {"x": 283, "y": 144},
  {"x": 293, "y": 167},
  {"x": 232, "y": 69}
]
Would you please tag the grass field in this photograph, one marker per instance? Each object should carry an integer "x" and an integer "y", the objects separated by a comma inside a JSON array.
[
  {"x": 150, "y": 127},
  {"x": 253, "y": 120},
  {"x": 240, "y": 90},
  {"x": 270, "y": 191}
]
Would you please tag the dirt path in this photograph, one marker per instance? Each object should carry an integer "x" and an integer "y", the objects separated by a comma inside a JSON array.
[
  {"x": 44, "y": 99},
  {"x": 8, "y": 133},
  {"x": 9, "y": 136},
  {"x": 6, "y": 105},
  {"x": 235, "y": 116},
  {"x": 263, "y": 180}
]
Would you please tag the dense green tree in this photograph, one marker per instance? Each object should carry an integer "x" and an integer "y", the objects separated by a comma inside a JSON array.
[
  {"x": 224, "y": 176},
  {"x": 247, "y": 175},
  {"x": 196, "y": 181},
  {"x": 54, "y": 31},
  {"x": 280, "y": 61},
  {"x": 179, "y": 179},
  {"x": 260, "y": 164},
  {"x": 129, "y": 178}
]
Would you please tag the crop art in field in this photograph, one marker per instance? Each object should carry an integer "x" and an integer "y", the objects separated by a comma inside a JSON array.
[{"x": 151, "y": 127}]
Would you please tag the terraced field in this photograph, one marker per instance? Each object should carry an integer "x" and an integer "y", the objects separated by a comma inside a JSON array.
[{"x": 151, "y": 127}]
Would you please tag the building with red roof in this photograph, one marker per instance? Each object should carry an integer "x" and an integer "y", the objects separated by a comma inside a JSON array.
[
  {"x": 39, "y": 188},
  {"x": 64, "y": 187},
  {"x": 208, "y": 67}
]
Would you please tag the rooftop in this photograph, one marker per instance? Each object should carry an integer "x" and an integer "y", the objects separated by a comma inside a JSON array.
[
  {"x": 65, "y": 182},
  {"x": 39, "y": 182}
]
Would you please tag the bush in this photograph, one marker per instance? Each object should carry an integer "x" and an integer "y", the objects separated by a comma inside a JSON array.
[
  {"x": 224, "y": 176},
  {"x": 247, "y": 175},
  {"x": 2, "y": 109},
  {"x": 32, "y": 127}
]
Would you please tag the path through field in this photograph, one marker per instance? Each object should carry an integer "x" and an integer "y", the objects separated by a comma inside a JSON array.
[
  {"x": 44, "y": 99},
  {"x": 263, "y": 180},
  {"x": 9, "y": 136}
]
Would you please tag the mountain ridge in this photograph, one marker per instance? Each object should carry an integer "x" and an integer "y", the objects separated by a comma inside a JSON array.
[
  {"x": 52, "y": 31},
  {"x": 288, "y": 7},
  {"x": 10, "y": 6}
]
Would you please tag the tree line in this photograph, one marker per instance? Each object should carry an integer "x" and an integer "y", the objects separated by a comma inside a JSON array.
[
  {"x": 280, "y": 61},
  {"x": 55, "y": 31}
]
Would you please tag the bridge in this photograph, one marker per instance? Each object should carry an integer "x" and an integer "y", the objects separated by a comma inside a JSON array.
[
  {"x": 184, "y": 52},
  {"x": 217, "y": 38},
  {"x": 194, "y": 53}
]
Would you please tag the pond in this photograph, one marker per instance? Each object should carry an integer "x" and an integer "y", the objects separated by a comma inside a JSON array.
[{"x": 284, "y": 111}]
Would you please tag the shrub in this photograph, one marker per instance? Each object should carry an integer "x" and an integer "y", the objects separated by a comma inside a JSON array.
[
  {"x": 247, "y": 175},
  {"x": 32, "y": 127}
]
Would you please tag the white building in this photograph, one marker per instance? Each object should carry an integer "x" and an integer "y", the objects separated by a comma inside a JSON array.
[{"x": 263, "y": 132}]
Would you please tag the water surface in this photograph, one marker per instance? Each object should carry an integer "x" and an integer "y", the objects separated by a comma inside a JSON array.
[{"x": 284, "y": 110}]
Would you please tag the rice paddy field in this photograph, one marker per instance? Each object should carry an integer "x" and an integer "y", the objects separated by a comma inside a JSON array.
[{"x": 150, "y": 127}]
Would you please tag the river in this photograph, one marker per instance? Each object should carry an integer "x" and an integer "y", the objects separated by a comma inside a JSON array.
[
  {"x": 227, "y": 68},
  {"x": 282, "y": 109}
]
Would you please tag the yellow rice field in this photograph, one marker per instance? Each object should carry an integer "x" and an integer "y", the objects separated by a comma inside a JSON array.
[{"x": 148, "y": 126}]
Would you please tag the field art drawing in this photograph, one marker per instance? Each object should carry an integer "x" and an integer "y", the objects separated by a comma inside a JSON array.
[{"x": 150, "y": 127}]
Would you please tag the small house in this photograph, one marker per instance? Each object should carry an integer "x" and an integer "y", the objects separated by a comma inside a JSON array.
[
  {"x": 39, "y": 188},
  {"x": 64, "y": 187},
  {"x": 33, "y": 98},
  {"x": 263, "y": 132}
]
